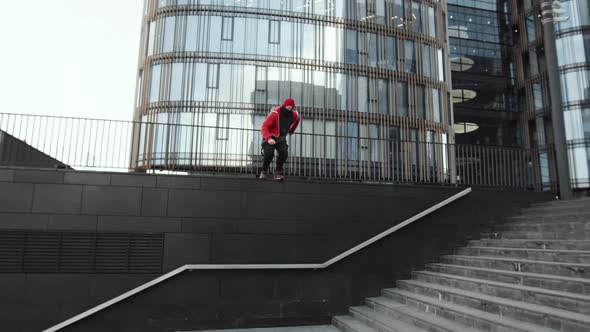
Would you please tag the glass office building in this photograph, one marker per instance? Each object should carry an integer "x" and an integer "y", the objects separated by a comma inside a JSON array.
[
  {"x": 371, "y": 69},
  {"x": 501, "y": 92},
  {"x": 572, "y": 41},
  {"x": 364, "y": 73},
  {"x": 486, "y": 108}
]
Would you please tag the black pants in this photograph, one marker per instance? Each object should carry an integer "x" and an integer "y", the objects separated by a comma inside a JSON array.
[{"x": 269, "y": 153}]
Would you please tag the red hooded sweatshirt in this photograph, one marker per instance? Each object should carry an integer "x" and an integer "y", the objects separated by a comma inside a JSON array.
[{"x": 270, "y": 126}]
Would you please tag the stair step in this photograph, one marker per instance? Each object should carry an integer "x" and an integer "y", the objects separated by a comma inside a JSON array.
[
  {"x": 555, "y": 318},
  {"x": 521, "y": 265},
  {"x": 430, "y": 321},
  {"x": 562, "y": 300},
  {"x": 475, "y": 318},
  {"x": 564, "y": 256},
  {"x": 545, "y": 281},
  {"x": 310, "y": 328},
  {"x": 350, "y": 324},
  {"x": 544, "y": 227},
  {"x": 569, "y": 216},
  {"x": 523, "y": 235},
  {"x": 558, "y": 203},
  {"x": 381, "y": 321},
  {"x": 532, "y": 244},
  {"x": 557, "y": 209}
]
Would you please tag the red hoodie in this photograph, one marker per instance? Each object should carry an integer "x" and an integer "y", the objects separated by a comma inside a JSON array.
[{"x": 270, "y": 126}]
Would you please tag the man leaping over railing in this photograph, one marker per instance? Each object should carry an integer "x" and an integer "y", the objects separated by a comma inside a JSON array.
[{"x": 281, "y": 120}]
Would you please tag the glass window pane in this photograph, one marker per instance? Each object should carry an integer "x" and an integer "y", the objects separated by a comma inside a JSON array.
[
  {"x": 190, "y": 43},
  {"x": 225, "y": 81},
  {"x": 575, "y": 85},
  {"x": 262, "y": 37},
  {"x": 151, "y": 38},
  {"x": 414, "y": 149},
  {"x": 227, "y": 30},
  {"x": 380, "y": 11},
  {"x": 176, "y": 82},
  {"x": 399, "y": 18},
  {"x": 577, "y": 124},
  {"x": 533, "y": 62},
  {"x": 261, "y": 82},
  {"x": 297, "y": 85},
  {"x": 382, "y": 94},
  {"x": 155, "y": 84},
  {"x": 363, "y": 94},
  {"x": 200, "y": 85},
  {"x": 309, "y": 42},
  {"x": 427, "y": 60},
  {"x": 351, "y": 48},
  {"x": 286, "y": 39},
  {"x": 319, "y": 89},
  {"x": 249, "y": 85},
  {"x": 341, "y": 87},
  {"x": 333, "y": 45},
  {"x": 274, "y": 77},
  {"x": 212, "y": 75},
  {"x": 214, "y": 36},
  {"x": 169, "y": 32},
  {"x": 361, "y": 10},
  {"x": 530, "y": 27},
  {"x": 284, "y": 84},
  {"x": 431, "y": 22},
  {"x": 222, "y": 126},
  {"x": 375, "y": 142},
  {"x": 441, "y": 66},
  {"x": 319, "y": 7},
  {"x": 416, "y": 16},
  {"x": 372, "y": 50},
  {"x": 337, "y": 8},
  {"x": 420, "y": 102},
  {"x": 352, "y": 132},
  {"x": 275, "y": 32},
  {"x": 402, "y": 99},
  {"x": 537, "y": 94},
  {"x": 391, "y": 52},
  {"x": 410, "y": 60},
  {"x": 573, "y": 49},
  {"x": 436, "y": 104},
  {"x": 261, "y": 78}
]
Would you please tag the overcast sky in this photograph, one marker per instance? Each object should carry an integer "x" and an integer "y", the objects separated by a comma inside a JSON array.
[{"x": 69, "y": 57}]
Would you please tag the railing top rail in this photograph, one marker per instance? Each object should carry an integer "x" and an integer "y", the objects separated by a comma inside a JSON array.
[
  {"x": 172, "y": 123},
  {"x": 191, "y": 267}
]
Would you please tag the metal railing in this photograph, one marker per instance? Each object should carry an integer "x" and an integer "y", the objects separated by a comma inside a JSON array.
[
  {"x": 493, "y": 166},
  {"x": 353, "y": 153}
]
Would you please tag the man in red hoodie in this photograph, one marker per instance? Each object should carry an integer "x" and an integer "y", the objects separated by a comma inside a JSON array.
[{"x": 281, "y": 120}]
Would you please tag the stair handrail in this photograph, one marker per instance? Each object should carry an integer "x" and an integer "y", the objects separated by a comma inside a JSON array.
[{"x": 317, "y": 266}]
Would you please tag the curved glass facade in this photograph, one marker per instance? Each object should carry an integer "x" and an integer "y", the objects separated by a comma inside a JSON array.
[
  {"x": 572, "y": 41},
  {"x": 573, "y": 56},
  {"x": 356, "y": 69}
]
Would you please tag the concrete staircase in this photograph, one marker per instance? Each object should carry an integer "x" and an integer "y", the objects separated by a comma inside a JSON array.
[{"x": 531, "y": 273}]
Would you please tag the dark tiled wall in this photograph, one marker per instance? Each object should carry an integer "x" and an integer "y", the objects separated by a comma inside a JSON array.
[{"x": 229, "y": 220}]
